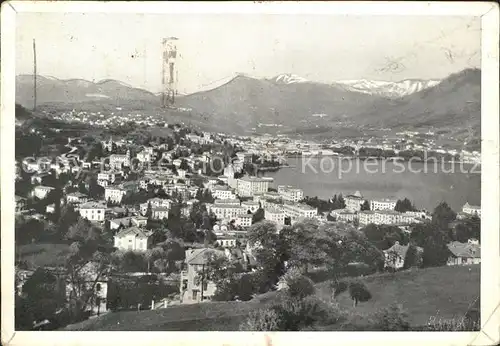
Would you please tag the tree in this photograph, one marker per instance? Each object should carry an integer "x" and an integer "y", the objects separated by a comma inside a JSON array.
[
  {"x": 223, "y": 272},
  {"x": 443, "y": 215},
  {"x": 269, "y": 249},
  {"x": 184, "y": 165},
  {"x": 404, "y": 205},
  {"x": 413, "y": 257},
  {"x": 68, "y": 218},
  {"x": 85, "y": 268},
  {"x": 466, "y": 229},
  {"x": 258, "y": 216},
  {"x": 359, "y": 292},
  {"x": 365, "y": 205},
  {"x": 43, "y": 295},
  {"x": 149, "y": 212},
  {"x": 341, "y": 202},
  {"x": 96, "y": 191},
  {"x": 385, "y": 236}
]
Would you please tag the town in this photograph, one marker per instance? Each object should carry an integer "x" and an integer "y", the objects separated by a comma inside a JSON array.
[
  {"x": 116, "y": 223},
  {"x": 405, "y": 144}
]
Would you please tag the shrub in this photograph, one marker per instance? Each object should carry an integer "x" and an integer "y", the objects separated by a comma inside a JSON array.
[
  {"x": 359, "y": 292},
  {"x": 457, "y": 324},
  {"x": 298, "y": 285},
  {"x": 261, "y": 320},
  {"x": 292, "y": 314},
  {"x": 339, "y": 287},
  {"x": 392, "y": 318}
]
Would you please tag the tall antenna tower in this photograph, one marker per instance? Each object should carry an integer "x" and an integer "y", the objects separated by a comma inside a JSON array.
[
  {"x": 34, "y": 75},
  {"x": 169, "y": 72}
]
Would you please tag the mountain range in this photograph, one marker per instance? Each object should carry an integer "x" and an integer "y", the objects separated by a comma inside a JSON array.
[{"x": 289, "y": 103}]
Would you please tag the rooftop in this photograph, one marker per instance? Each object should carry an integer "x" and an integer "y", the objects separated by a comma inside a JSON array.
[
  {"x": 465, "y": 249},
  {"x": 138, "y": 232},
  {"x": 200, "y": 256},
  {"x": 77, "y": 194},
  {"x": 232, "y": 206},
  {"x": 93, "y": 205},
  {"x": 253, "y": 179}
]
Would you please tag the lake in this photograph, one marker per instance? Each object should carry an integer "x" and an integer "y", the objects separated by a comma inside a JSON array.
[{"x": 426, "y": 185}]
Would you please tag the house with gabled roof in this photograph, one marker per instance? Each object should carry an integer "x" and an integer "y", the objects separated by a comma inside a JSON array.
[
  {"x": 396, "y": 254},
  {"x": 133, "y": 239},
  {"x": 193, "y": 290},
  {"x": 464, "y": 253}
]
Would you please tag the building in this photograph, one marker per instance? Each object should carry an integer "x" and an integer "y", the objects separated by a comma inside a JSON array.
[
  {"x": 194, "y": 287},
  {"x": 354, "y": 202},
  {"x": 114, "y": 194},
  {"x": 471, "y": 209},
  {"x": 244, "y": 157},
  {"x": 299, "y": 211},
  {"x": 92, "y": 211},
  {"x": 396, "y": 254},
  {"x": 223, "y": 192},
  {"x": 383, "y": 204},
  {"x": 159, "y": 213},
  {"x": 117, "y": 161},
  {"x": 250, "y": 206},
  {"x": 41, "y": 191},
  {"x": 110, "y": 177},
  {"x": 144, "y": 157},
  {"x": 248, "y": 186},
  {"x": 385, "y": 217},
  {"x": 129, "y": 221},
  {"x": 76, "y": 198},
  {"x": 225, "y": 241},
  {"x": 290, "y": 194},
  {"x": 464, "y": 253},
  {"x": 233, "y": 201},
  {"x": 93, "y": 279},
  {"x": 155, "y": 203},
  {"x": 344, "y": 215},
  {"x": 227, "y": 211},
  {"x": 133, "y": 239},
  {"x": 275, "y": 215},
  {"x": 244, "y": 220}
]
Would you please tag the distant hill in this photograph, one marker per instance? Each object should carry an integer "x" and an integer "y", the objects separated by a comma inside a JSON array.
[
  {"x": 453, "y": 105},
  {"x": 53, "y": 90},
  {"x": 248, "y": 102},
  {"x": 290, "y": 104}
]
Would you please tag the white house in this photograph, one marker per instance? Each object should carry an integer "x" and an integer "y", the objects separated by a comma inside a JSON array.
[
  {"x": 223, "y": 192},
  {"x": 289, "y": 193},
  {"x": 159, "y": 213},
  {"x": 244, "y": 220},
  {"x": 76, "y": 198},
  {"x": 471, "y": 209},
  {"x": 275, "y": 215},
  {"x": 92, "y": 211},
  {"x": 464, "y": 253},
  {"x": 41, "y": 191},
  {"x": 133, "y": 239},
  {"x": 248, "y": 186},
  {"x": 353, "y": 202},
  {"x": 383, "y": 204}
]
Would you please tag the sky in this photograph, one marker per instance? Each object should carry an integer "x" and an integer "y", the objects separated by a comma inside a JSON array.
[{"x": 214, "y": 47}]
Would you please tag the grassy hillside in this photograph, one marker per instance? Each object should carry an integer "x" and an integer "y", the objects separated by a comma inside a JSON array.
[
  {"x": 43, "y": 254},
  {"x": 444, "y": 291}
]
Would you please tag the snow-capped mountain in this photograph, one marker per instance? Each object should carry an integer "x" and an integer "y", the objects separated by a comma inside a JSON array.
[
  {"x": 387, "y": 89},
  {"x": 288, "y": 78}
]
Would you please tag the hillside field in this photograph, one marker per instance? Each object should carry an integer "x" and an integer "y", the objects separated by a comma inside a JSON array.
[{"x": 444, "y": 291}]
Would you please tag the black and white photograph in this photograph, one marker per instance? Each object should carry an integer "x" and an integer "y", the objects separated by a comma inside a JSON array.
[{"x": 250, "y": 171}]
